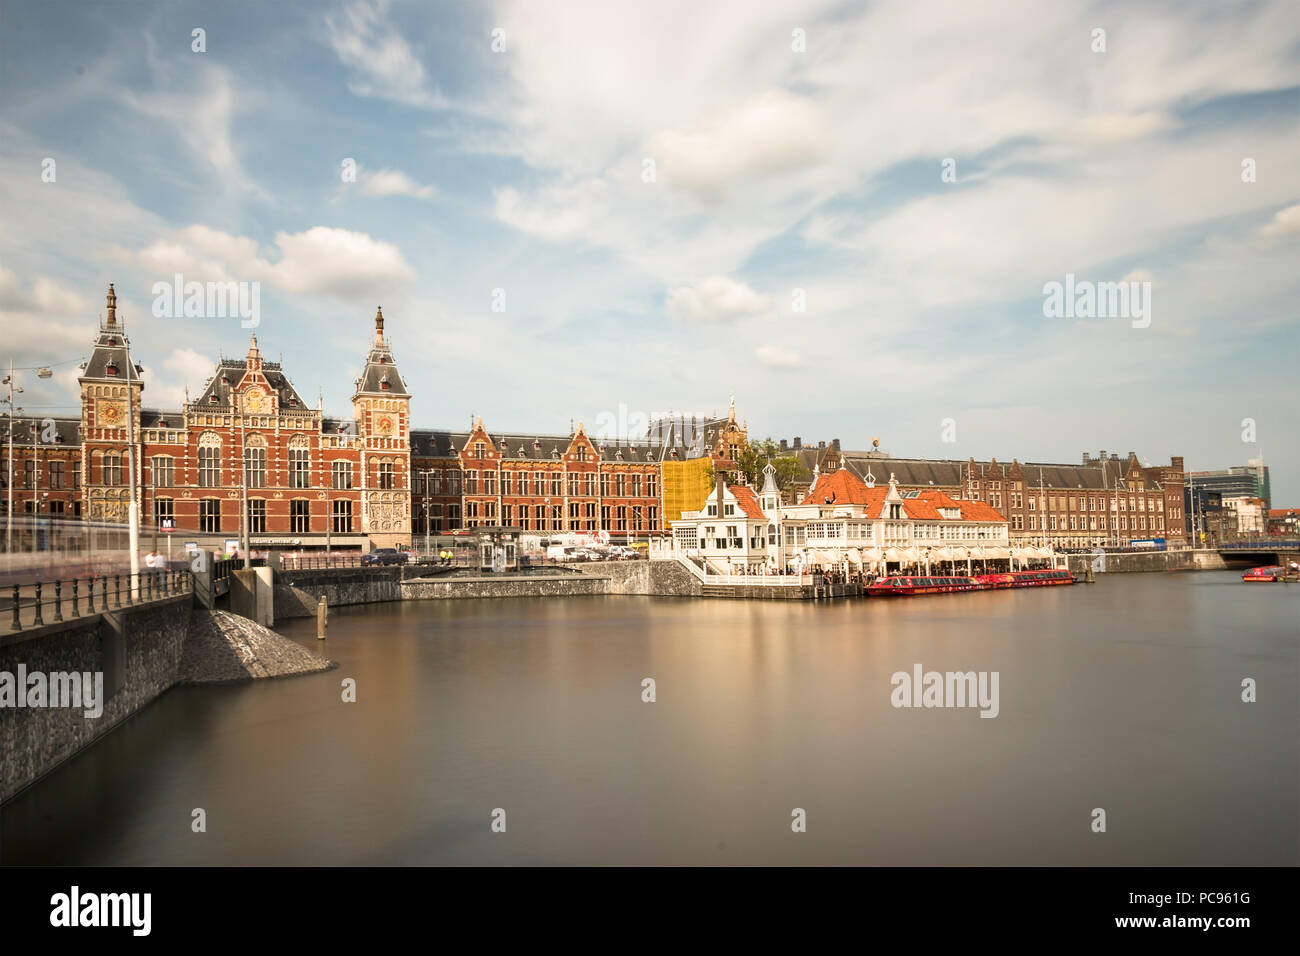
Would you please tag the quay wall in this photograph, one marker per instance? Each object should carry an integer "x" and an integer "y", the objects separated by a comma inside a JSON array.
[
  {"x": 142, "y": 652},
  {"x": 1145, "y": 561},
  {"x": 138, "y": 650},
  {"x": 297, "y": 592},
  {"x": 500, "y": 586}
]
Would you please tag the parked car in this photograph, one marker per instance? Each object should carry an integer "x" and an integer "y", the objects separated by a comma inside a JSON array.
[{"x": 385, "y": 556}]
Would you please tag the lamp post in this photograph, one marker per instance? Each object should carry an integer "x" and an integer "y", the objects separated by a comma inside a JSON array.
[
  {"x": 424, "y": 474},
  {"x": 9, "y": 521}
]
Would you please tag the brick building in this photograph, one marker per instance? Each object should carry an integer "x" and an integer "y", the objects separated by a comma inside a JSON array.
[
  {"x": 1100, "y": 501},
  {"x": 311, "y": 481}
]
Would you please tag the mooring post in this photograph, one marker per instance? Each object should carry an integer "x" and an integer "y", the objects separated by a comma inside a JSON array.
[{"x": 322, "y": 613}]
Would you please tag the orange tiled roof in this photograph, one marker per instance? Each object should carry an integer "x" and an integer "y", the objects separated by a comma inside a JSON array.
[
  {"x": 978, "y": 511},
  {"x": 845, "y": 488},
  {"x": 748, "y": 502}
]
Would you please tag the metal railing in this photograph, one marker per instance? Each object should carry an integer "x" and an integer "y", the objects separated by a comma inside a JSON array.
[
  {"x": 762, "y": 580},
  {"x": 63, "y": 599}
]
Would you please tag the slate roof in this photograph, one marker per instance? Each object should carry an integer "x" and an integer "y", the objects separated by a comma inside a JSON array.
[
  {"x": 67, "y": 431},
  {"x": 224, "y": 384}
]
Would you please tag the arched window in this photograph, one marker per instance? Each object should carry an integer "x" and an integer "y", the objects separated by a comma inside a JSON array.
[
  {"x": 255, "y": 461},
  {"x": 299, "y": 463},
  {"x": 210, "y": 461}
]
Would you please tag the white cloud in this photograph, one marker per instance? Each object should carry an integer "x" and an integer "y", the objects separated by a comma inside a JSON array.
[
  {"x": 319, "y": 260},
  {"x": 717, "y": 299},
  {"x": 777, "y": 356},
  {"x": 394, "y": 182},
  {"x": 381, "y": 62},
  {"x": 774, "y": 132},
  {"x": 1285, "y": 222},
  {"x": 199, "y": 106}
]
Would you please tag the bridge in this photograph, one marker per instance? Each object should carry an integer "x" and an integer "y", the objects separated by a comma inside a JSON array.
[{"x": 1260, "y": 550}]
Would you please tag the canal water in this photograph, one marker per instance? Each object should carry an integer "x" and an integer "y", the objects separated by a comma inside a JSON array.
[{"x": 1123, "y": 696}]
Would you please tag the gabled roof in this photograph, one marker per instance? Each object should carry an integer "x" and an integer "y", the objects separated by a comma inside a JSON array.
[
  {"x": 380, "y": 376},
  {"x": 747, "y": 500}
]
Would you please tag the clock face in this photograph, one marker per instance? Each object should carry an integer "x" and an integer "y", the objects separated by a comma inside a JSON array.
[
  {"x": 385, "y": 425},
  {"x": 110, "y": 413}
]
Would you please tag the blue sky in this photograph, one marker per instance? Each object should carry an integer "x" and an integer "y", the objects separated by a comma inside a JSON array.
[{"x": 775, "y": 171}]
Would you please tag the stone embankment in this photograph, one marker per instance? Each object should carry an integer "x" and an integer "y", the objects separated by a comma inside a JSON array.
[{"x": 221, "y": 646}]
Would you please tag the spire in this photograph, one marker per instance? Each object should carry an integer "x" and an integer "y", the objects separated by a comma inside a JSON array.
[
  {"x": 731, "y": 415},
  {"x": 112, "y": 305},
  {"x": 254, "y": 358},
  {"x": 379, "y": 324}
]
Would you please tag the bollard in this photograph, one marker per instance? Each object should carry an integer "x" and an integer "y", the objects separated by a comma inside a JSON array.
[
  {"x": 39, "y": 621},
  {"x": 58, "y": 600},
  {"x": 16, "y": 624},
  {"x": 322, "y": 613}
]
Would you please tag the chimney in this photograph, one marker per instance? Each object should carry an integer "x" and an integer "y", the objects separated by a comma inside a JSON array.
[
  {"x": 1086, "y": 458},
  {"x": 784, "y": 445},
  {"x": 821, "y": 444},
  {"x": 836, "y": 443},
  {"x": 798, "y": 442}
]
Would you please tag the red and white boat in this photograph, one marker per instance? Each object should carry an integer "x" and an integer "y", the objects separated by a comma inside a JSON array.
[
  {"x": 901, "y": 585},
  {"x": 1268, "y": 574},
  {"x": 1024, "y": 579}
]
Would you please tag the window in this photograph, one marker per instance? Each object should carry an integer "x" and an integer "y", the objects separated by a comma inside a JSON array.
[
  {"x": 453, "y": 484},
  {"x": 539, "y": 484},
  {"x": 299, "y": 466},
  {"x": 489, "y": 482},
  {"x": 636, "y": 486},
  {"x": 620, "y": 484},
  {"x": 652, "y": 485},
  {"x": 604, "y": 484},
  {"x": 112, "y": 469},
  {"x": 557, "y": 484},
  {"x": 163, "y": 510},
  {"x": 164, "y": 475},
  {"x": 210, "y": 515},
  {"x": 604, "y": 516},
  {"x": 433, "y": 482},
  {"x": 209, "y": 467},
  {"x": 341, "y": 475},
  {"x": 76, "y": 474},
  {"x": 385, "y": 475},
  {"x": 341, "y": 521},
  {"x": 56, "y": 474},
  {"x": 255, "y": 466},
  {"x": 471, "y": 482},
  {"x": 300, "y": 516},
  {"x": 257, "y": 516},
  {"x": 507, "y": 482}
]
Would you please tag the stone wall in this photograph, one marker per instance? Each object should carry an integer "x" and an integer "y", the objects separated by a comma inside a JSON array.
[
  {"x": 663, "y": 578},
  {"x": 538, "y": 585},
  {"x": 297, "y": 592},
  {"x": 138, "y": 650},
  {"x": 1140, "y": 561}
]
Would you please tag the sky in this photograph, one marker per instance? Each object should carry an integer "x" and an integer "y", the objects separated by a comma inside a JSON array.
[{"x": 845, "y": 215}]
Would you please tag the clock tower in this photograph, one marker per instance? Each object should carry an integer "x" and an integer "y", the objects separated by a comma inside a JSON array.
[
  {"x": 110, "y": 390},
  {"x": 382, "y": 409}
]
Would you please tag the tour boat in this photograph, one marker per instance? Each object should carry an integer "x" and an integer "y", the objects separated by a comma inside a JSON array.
[
  {"x": 902, "y": 584},
  {"x": 1024, "y": 579},
  {"x": 1267, "y": 574}
]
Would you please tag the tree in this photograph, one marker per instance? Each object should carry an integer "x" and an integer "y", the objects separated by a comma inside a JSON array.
[{"x": 755, "y": 458}]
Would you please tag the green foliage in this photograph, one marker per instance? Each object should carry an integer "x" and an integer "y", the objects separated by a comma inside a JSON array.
[{"x": 755, "y": 457}]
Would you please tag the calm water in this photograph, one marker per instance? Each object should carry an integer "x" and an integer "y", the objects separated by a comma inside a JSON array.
[{"x": 1124, "y": 695}]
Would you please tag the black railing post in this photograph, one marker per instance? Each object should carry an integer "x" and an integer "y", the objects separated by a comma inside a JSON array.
[
  {"x": 38, "y": 621},
  {"x": 149, "y": 586},
  {"x": 58, "y": 600},
  {"x": 117, "y": 591},
  {"x": 16, "y": 624},
  {"x": 76, "y": 609}
]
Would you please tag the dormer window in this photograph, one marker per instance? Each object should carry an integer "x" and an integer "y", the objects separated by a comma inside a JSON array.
[
  {"x": 110, "y": 369},
  {"x": 212, "y": 399},
  {"x": 384, "y": 386}
]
